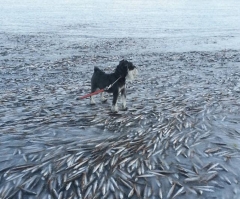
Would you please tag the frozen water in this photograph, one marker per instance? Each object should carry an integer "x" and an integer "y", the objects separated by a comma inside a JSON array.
[{"x": 198, "y": 24}]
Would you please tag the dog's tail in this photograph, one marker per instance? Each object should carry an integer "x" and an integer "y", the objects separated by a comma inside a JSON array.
[{"x": 96, "y": 69}]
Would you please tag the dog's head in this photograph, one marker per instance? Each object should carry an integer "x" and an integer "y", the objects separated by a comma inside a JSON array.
[{"x": 126, "y": 69}]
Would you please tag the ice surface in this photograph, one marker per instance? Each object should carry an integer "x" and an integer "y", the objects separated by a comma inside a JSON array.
[{"x": 184, "y": 25}]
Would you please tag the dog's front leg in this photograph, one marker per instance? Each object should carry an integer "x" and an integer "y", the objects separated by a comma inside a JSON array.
[
  {"x": 114, "y": 102},
  {"x": 123, "y": 94}
]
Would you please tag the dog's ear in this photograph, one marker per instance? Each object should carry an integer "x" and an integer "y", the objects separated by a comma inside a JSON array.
[
  {"x": 124, "y": 63},
  {"x": 122, "y": 68},
  {"x": 121, "y": 62}
]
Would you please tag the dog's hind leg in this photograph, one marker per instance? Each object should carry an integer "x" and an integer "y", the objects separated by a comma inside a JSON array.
[
  {"x": 104, "y": 99},
  {"x": 114, "y": 102},
  {"x": 92, "y": 101}
]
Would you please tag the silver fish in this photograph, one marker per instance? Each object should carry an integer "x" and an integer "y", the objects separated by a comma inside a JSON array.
[
  {"x": 171, "y": 190},
  {"x": 131, "y": 193},
  {"x": 179, "y": 192}
]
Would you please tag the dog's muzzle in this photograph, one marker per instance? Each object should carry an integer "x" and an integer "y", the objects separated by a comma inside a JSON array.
[
  {"x": 132, "y": 74},
  {"x": 135, "y": 72}
]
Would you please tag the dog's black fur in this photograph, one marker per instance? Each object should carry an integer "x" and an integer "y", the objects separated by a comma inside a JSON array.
[{"x": 101, "y": 80}]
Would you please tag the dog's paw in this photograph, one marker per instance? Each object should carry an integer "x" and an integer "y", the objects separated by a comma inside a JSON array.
[
  {"x": 114, "y": 109},
  {"x": 124, "y": 108},
  {"x": 92, "y": 102},
  {"x": 104, "y": 100}
]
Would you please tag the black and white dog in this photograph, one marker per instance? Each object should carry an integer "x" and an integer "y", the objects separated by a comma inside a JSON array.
[{"x": 100, "y": 80}]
